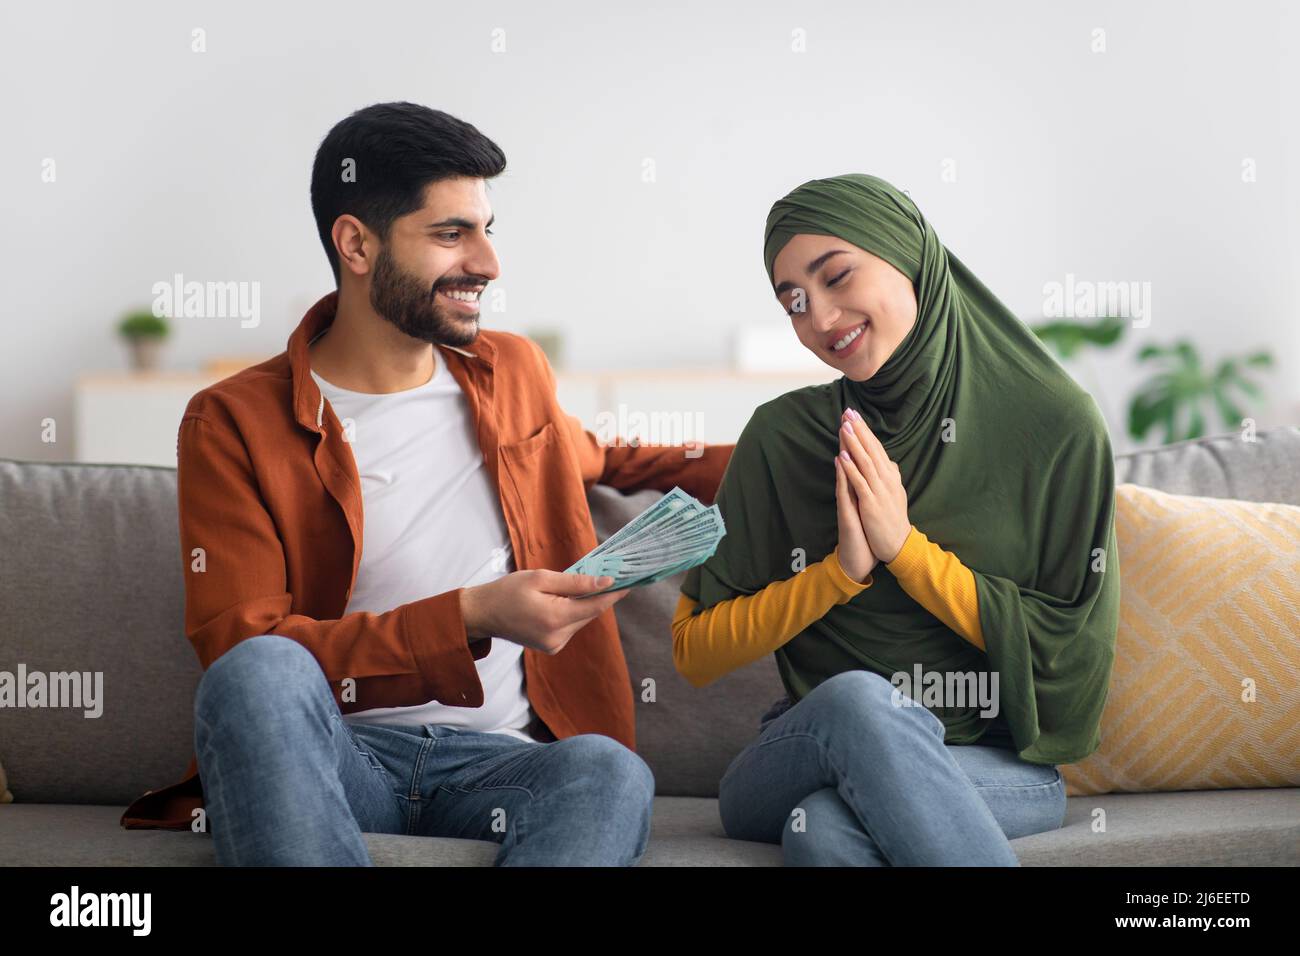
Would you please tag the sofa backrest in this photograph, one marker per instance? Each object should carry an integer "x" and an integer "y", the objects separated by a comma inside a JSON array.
[
  {"x": 91, "y": 581},
  {"x": 1221, "y": 466}
]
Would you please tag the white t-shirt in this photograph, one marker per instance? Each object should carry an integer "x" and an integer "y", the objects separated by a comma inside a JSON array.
[{"x": 431, "y": 523}]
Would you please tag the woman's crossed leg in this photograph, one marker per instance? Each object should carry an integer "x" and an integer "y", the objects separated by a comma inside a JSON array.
[{"x": 847, "y": 777}]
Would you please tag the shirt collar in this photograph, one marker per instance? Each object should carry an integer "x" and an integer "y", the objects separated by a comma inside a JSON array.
[{"x": 308, "y": 403}]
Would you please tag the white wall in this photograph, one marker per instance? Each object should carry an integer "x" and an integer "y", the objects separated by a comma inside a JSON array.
[{"x": 1124, "y": 165}]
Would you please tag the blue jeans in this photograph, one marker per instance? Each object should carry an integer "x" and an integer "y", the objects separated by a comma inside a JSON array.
[
  {"x": 877, "y": 786},
  {"x": 288, "y": 782}
]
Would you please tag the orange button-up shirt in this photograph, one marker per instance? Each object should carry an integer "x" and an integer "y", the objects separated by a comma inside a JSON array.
[{"x": 267, "y": 487}]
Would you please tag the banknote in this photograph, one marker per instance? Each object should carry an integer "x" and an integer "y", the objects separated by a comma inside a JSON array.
[{"x": 674, "y": 534}]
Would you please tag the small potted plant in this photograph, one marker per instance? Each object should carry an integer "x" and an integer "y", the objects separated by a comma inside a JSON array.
[{"x": 144, "y": 333}]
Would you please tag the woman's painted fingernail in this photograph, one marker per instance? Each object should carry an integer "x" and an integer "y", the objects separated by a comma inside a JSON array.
[
  {"x": 853, "y": 413},
  {"x": 845, "y": 455}
]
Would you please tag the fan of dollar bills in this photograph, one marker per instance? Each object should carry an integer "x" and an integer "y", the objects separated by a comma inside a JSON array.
[{"x": 674, "y": 534}]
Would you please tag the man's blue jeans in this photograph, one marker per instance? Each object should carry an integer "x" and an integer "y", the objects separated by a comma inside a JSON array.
[
  {"x": 877, "y": 786},
  {"x": 288, "y": 782}
]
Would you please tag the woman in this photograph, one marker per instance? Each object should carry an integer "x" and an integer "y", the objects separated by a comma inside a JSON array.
[{"x": 958, "y": 489}]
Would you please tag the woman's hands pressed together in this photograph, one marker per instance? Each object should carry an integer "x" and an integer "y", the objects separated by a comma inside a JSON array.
[
  {"x": 876, "y": 486},
  {"x": 855, "y": 555}
]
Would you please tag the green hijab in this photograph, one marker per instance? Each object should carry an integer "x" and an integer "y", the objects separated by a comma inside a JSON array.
[{"x": 1007, "y": 463}]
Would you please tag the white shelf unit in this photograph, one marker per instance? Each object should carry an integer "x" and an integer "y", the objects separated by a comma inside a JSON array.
[{"x": 132, "y": 418}]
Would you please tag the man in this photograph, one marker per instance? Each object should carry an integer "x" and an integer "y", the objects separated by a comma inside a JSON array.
[{"x": 350, "y": 512}]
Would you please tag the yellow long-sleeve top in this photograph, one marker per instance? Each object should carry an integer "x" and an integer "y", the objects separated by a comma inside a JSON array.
[{"x": 741, "y": 630}]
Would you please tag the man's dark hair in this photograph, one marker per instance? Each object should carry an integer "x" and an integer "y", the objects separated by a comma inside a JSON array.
[{"x": 396, "y": 150}]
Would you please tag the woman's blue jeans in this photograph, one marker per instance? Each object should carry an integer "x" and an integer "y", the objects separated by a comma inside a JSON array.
[
  {"x": 845, "y": 777},
  {"x": 288, "y": 782}
]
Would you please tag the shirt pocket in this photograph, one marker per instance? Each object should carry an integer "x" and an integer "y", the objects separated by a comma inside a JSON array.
[{"x": 549, "y": 497}]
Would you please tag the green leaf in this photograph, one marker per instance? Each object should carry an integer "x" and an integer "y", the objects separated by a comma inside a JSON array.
[
  {"x": 1067, "y": 337},
  {"x": 1228, "y": 409},
  {"x": 1105, "y": 333},
  {"x": 1150, "y": 352}
]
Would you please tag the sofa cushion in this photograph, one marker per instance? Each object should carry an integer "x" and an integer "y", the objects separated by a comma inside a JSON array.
[
  {"x": 97, "y": 590},
  {"x": 1205, "y": 691},
  {"x": 1223, "y": 828}
]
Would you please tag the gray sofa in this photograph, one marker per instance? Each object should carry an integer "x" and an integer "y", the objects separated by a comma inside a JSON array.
[{"x": 92, "y": 582}]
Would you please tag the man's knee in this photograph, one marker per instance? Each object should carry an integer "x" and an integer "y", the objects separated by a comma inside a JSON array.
[
  {"x": 256, "y": 670},
  {"x": 611, "y": 767}
]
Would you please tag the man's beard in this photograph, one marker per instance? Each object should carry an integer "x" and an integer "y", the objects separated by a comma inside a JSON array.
[{"x": 413, "y": 308}]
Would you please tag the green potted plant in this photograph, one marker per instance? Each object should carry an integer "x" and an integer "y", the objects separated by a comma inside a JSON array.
[
  {"x": 1175, "y": 397},
  {"x": 1182, "y": 395},
  {"x": 144, "y": 333}
]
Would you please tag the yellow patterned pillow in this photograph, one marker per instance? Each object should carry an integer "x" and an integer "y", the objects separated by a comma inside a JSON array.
[{"x": 1205, "y": 693}]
